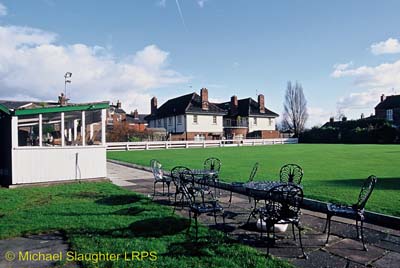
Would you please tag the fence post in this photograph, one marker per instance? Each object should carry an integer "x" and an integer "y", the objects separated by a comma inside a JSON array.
[
  {"x": 147, "y": 145},
  {"x": 204, "y": 144},
  {"x": 127, "y": 147},
  {"x": 166, "y": 144},
  {"x": 187, "y": 144}
]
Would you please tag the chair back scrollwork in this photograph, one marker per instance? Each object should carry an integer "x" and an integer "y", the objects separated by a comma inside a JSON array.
[
  {"x": 366, "y": 191},
  {"x": 253, "y": 172},
  {"x": 212, "y": 163},
  {"x": 291, "y": 173}
]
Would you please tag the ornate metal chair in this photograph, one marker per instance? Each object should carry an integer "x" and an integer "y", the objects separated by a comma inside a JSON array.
[
  {"x": 214, "y": 164},
  {"x": 283, "y": 207},
  {"x": 180, "y": 179},
  {"x": 197, "y": 205},
  {"x": 251, "y": 178},
  {"x": 160, "y": 177},
  {"x": 355, "y": 211},
  {"x": 291, "y": 173}
]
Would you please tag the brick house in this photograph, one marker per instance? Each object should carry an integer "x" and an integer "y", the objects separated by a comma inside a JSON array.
[
  {"x": 134, "y": 121},
  {"x": 188, "y": 117},
  {"x": 247, "y": 118},
  {"x": 389, "y": 108},
  {"x": 192, "y": 116}
]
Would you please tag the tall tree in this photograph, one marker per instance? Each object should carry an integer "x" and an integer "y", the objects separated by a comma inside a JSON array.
[{"x": 295, "y": 109}]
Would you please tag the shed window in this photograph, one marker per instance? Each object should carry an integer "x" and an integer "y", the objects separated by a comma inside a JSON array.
[
  {"x": 195, "y": 119},
  {"x": 28, "y": 130},
  {"x": 93, "y": 127},
  {"x": 179, "y": 119}
]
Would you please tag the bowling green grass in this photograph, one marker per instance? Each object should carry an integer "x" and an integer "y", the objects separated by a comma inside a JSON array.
[
  {"x": 332, "y": 172},
  {"x": 101, "y": 218}
]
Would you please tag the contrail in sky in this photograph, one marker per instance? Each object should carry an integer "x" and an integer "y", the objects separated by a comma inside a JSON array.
[{"x": 180, "y": 13}]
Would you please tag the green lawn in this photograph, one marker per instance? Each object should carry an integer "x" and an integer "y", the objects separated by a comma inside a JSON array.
[
  {"x": 332, "y": 172},
  {"x": 101, "y": 217}
]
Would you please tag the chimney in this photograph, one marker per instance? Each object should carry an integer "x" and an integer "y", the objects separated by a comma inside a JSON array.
[
  {"x": 135, "y": 114},
  {"x": 234, "y": 105},
  {"x": 382, "y": 97},
  {"x": 261, "y": 103},
  {"x": 331, "y": 120},
  {"x": 204, "y": 98},
  {"x": 153, "y": 105},
  {"x": 119, "y": 104}
]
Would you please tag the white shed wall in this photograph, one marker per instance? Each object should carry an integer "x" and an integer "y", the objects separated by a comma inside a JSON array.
[{"x": 32, "y": 165}]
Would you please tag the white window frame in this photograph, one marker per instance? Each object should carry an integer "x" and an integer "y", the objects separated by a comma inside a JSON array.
[
  {"x": 389, "y": 114},
  {"x": 195, "y": 119},
  {"x": 215, "y": 119}
]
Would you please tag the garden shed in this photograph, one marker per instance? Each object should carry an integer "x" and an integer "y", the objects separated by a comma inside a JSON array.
[{"x": 51, "y": 141}]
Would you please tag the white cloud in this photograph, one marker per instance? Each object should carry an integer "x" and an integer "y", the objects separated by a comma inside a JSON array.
[
  {"x": 389, "y": 46},
  {"x": 3, "y": 10},
  {"x": 201, "y": 3},
  {"x": 318, "y": 116},
  {"x": 375, "y": 80},
  {"x": 32, "y": 66}
]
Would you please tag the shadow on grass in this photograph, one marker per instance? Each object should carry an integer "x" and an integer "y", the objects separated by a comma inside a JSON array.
[
  {"x": 117, "y": 200},
  {"x": 157, "y": 227},
  {"x": 381, "y": 184},
  {"x": 148, "y": 228}
]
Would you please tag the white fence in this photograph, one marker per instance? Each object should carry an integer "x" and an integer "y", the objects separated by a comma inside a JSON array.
[{"x": 156, "y": 145}]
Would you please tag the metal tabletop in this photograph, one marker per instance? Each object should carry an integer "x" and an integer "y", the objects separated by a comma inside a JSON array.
[{"x": 197, "y": 172}]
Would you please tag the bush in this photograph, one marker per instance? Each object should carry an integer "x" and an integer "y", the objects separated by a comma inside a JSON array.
[{"x": 356, "y": 131}]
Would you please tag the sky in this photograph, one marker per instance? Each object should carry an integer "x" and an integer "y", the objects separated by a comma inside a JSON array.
[{"x": 345, "y": 53}]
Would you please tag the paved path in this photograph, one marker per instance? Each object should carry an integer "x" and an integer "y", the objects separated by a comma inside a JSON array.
[
  {"x": 344, "y": 250},
  {"x": 15, "y": 251}
]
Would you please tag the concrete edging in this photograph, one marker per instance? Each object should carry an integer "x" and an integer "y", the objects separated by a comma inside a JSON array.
[{"x": 392, "y": 222}]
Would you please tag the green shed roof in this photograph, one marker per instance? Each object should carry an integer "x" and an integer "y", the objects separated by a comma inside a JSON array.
[{"x": 31, "y": 108}]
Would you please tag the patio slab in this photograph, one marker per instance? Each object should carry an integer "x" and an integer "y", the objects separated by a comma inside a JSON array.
[
  {"x": 44, "y": 243},
  {"x": 353, "y": 250},
  {"x": 392, "y": 259}
]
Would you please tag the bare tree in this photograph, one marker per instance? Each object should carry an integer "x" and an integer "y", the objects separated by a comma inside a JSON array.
[
  {"x": 295, "y": 109},
  {"x": 340, "y": 114}
]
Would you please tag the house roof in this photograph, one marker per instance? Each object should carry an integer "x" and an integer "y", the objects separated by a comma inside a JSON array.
[
  {"x": 131, "y": 119},
  {"x": 33, "y": 107},
  {"x": 389, "y": 102},
  {"x": 247, "y": 107},
  {"x": 186, "y": 104}
]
